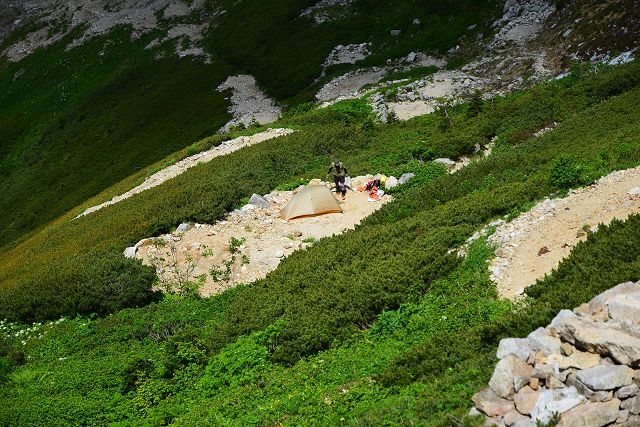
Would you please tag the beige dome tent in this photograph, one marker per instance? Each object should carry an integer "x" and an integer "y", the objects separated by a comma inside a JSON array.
[{"x": 311, "y": 200}]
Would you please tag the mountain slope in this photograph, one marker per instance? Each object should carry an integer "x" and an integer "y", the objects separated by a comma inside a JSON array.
[
  {"x": 402, "y": 333},
  {"x": 115, "y": 86}
]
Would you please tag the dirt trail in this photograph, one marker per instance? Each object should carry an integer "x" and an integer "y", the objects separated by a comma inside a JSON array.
[
  {"x": 180, "y": 167},
  {"x": 558, "y": 225},
  {"x": 267, "y": 240}
]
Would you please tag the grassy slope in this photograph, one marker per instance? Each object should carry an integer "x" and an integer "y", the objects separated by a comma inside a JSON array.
[
  {"x": 404, "y": 339},
  {"x": 77, "y": 122},
  {"x": 285, "y": 53},
  {"x": 58, "y": 261}
]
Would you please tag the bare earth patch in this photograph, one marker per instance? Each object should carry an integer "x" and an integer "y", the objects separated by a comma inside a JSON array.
[
  {"x": 533, "y": 244},
  {"x": 266, "y": 240}
]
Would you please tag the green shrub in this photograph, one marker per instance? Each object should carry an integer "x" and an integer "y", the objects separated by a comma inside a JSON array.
[{"x": 565, "y": 173}]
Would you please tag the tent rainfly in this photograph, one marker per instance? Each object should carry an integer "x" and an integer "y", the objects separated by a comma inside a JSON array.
[{"x": 311, "y": 200}]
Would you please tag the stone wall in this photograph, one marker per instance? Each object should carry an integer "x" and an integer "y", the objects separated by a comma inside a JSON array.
[{"x": 580, "y": 370}]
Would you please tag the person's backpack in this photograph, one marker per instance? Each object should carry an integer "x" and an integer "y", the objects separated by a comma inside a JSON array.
[{"x": 374, "y": 183}]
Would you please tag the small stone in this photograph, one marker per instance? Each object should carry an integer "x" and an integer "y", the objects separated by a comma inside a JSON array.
[
  {"x": 567, "y": 349},
  {"x": 543, "y": 250},
  {"x": 605, "y": 377},
  {"x": 553, "y": 382},
  {"x": 491, "y": 404},
  {"x": 183, "y": 228},
  {"x": 395, "y": 32},
  {"x": 513, "y": 418},
  {"x": 130, "y": 252},
  {"x": 259, "y": 201},
  {"x": 578, "y": 359},
  {"x": 534, "y": 383},
  {"x": 526, "y": 399},
  {"x": 623, "y": 416},
  {"x": 279, "y": 254},
  {"x": 600, "y": 396},
  {"x": 406, "y": 177},
  {"x": 297, "y": 233},
  {"x": 540, "y": 340},
  {"x": 502, "y": 379},
  {"x": 628, "y": 391},
  {"x": 473, "y": 412},
  {"x": 635, "y": 191},
  {"x": 519, "y": 382},
  {"x": 632, "y": 421},
  {"x": 446, "y": 162},
  {"x": 518, "y": 347},
  {"x": 632, "y": 405}
]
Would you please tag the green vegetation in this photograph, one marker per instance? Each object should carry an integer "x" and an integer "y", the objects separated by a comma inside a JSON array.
[
  {"x": 61, "y": 256},
  {"x": 380, "y": 325},
  {"x": 285, "y": 53},
  {"x": 74, "y": 123}
]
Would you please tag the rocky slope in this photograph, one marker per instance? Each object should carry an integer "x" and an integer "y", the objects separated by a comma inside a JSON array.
[
  {"x": 518, "y": 54},
  {"x": 48, "y": 21}
]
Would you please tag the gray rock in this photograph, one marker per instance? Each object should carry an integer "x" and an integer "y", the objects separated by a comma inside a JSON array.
[
  {"x": 591, "y": 414},
  {"x": 632, "y": 421},
  {"x": 600, "y": 302},
  {"x": 490, "y": 404},
  {"x": 278, "y": 254},
  {"x": 544, "y": 371},
  {"x": 446, "y": 162},
  {"x": 518, "y": 347},
  {"x": 406, "y": 177},
  {"x": 514, "y": 417},
  {"x": 411, "y": 57},
  {"x": 628, "y": 391},
  {"x": 130, "y": 252},
  {"x": 605, "y": 377},
  {"x": 526, "y": 400},
  {"x": 601, "y": 339},
  {"x": 625, "y": 307},
  {"x": 577, "y": 359},
  {"x": 183, "y": 228},
  {"x": 623, "y": 416},
  {"x": 395, "y": 32},
  {"x": 632, "y": 405},
  {"x": 391, "y": 182},
  {"x": 563, "y": 314},
  {"x": 541, "y": 341},
  {"x": 635, "y": 191},
  {"x": 473, "y": 412},
  {"x": 558, "y": 401},
  {"x": 259, "y": 201},
  {"x": 501, "y": 381},
  {"x": 572, "y": 381}
]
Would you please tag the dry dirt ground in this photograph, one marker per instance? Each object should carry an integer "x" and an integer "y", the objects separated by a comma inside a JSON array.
[
  {"x": 180, "y": 167},
  {"x": 266, "y": 240},
  {"x": 533, "y": 244}
]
